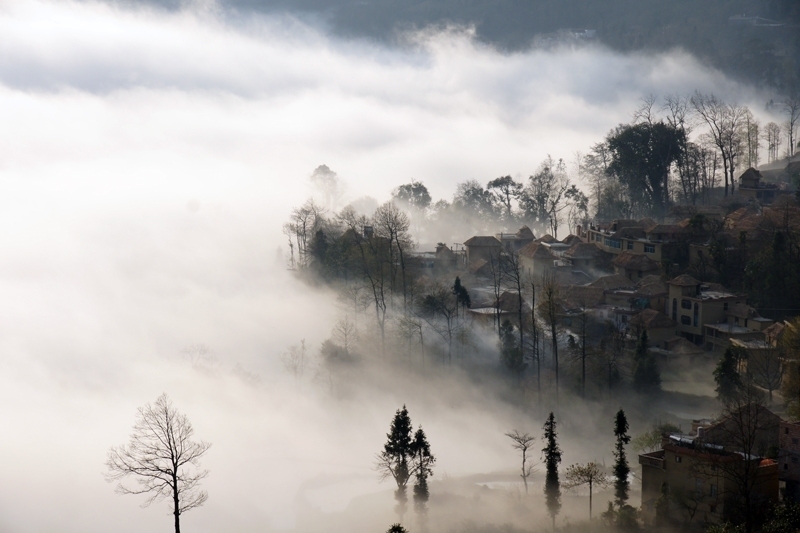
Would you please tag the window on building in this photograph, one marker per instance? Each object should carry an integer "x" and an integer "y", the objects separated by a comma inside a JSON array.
[
  {"x": 785, "y": 431},
  {"x": 677, "y": 458},
  {"x": 745, "y": 322},
  {"x": 686, "y": 304},
  {"x": 630, "y": 245},
  {"x": 649, "y": 249},
  {"x": 698, "y": 485},
  {"x": 674, "y": 309},
  {"x": 736, "y": 320},
  {"x": 725, "y": 306},
  {"x": 786, "y": 466},
  {"x": 685, "y": 320},
  {"x": 696, "y": 317}
]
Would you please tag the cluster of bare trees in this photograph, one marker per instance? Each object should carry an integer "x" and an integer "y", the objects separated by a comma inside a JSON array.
[{"x": 714, "y": 141}]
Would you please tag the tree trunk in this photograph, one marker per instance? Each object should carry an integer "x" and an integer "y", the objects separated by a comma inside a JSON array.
[{"x": 176, "y": 500}]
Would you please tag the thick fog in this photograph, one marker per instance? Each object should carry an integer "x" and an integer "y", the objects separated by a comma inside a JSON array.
[{"x": 148, "y": 160}]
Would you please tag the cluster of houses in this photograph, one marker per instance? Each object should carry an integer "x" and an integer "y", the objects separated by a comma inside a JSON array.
[
  {"x": 626, "y": 272},
  {"x": 702, "y": 476}
]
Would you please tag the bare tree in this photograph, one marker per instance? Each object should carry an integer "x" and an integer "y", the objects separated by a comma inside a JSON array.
[
  {"x": 724, "y": 123},
  {"x": 345, "y": 333},
  {"x": 549, "y": 306},
  {"x": 497, "y": 273},
  {"x": 393, "y": 224},
  {"x": 772, "y": 135},
  {"x": 523, "y": 442},
  {"x": 295, "y": 359},
  {"x": 590, "y": 474},
  {"x": 766, "y": 366},
  {"x": 513, "y": 273},
  {"x": 303, "y": 224},
  {"x": 163, "y": 459},
  {"x": 791, "y": 106}
]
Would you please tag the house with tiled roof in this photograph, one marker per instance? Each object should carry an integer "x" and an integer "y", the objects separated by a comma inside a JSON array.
[
  {"x": 634, "y": 266},
  {"x": 659, "y": 327},
  {"x": 753, "y": 189},
  {"x": 486, "y": 247},
  {"x": 513, "y": 242},
  {"x": 537, "y": 259}
]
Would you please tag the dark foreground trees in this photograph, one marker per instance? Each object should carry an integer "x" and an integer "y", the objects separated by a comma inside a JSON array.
[
  {"x": 163, "y": 459},
  {"x": 552, "y": 458},
  {"x": 406, "y": 455}
]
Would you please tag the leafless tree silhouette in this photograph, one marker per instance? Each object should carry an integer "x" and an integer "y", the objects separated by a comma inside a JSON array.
[{"x": 163, "y": 459}]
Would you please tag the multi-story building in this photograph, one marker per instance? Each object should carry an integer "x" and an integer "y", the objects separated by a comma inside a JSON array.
[
  {"x": 702, "y": 480},
  {"x": 692, "y": 305}
]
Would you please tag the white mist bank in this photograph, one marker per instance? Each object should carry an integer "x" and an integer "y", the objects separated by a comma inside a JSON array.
[{"x": 148, "y": 162}]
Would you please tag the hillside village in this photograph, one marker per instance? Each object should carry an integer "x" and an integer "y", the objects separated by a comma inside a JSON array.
[{"x": 614, "y": 301}]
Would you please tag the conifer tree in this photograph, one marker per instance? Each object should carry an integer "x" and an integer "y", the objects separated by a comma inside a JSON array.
[
  {"x": 396, "y": 457},
  {"x": 621, "y": 468},
  {"x": 423, "y": 461},
  {"x": 552, "y": 458},
  {"x": 729, "y": 382}
]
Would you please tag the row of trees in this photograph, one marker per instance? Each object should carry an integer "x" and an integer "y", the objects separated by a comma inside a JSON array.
[
  {"x": 590, "y": 474},
  {"x": 679, "y": 152}
]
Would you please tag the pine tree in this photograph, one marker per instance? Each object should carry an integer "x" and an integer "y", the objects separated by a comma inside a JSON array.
[
  {"x": 621, "y": 468},
  {"x": 397, "y": 454},
  {"x": 552, "y": 458},
  {"x": 423, "y": 461},
  {"x": 461, "y": 293},
  {"x": 729, "y": 382},
  {"x": 646, "y": 376}
]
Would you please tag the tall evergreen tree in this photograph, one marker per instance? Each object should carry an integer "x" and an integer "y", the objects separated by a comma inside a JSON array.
[
  {"x": 729, "y": 382},
  {"x": 552, "y": 458},
  {"x": 395, "y": 460},
  {"x": 646, "y": 376},
  {"x": 423, "y": 461},
  {"x": 621, "y": 468}
]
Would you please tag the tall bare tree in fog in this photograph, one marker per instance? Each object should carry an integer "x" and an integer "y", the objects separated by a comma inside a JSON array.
[
  {"x": 163, "y": 459},
  {"x": 724, "y": 123},
  {"x": 439, "y": 308},
  {"x": 791, "y": 106},
  {"x": 523, "y": 442},
  {"x": 772, "y": 136},
  {"x": 590, "y": 474},
  {"x": 550, "y": 308},
  {"x": 295, "y": 360},
  {"x": 371, "y": 261},
  {"x": 497, "y": 279},
  {"x": 392, "y": 224},
  {"x": 547, "y": 194},
  {"x": 304, "y": 222},
  {"x": 514, "y": 274}
]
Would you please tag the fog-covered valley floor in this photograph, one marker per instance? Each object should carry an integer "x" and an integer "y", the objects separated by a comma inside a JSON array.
[{"x": 148, "y": 161}]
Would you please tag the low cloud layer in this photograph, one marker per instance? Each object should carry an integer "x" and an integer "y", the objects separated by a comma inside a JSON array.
[{"x": 148, "y": 162}]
